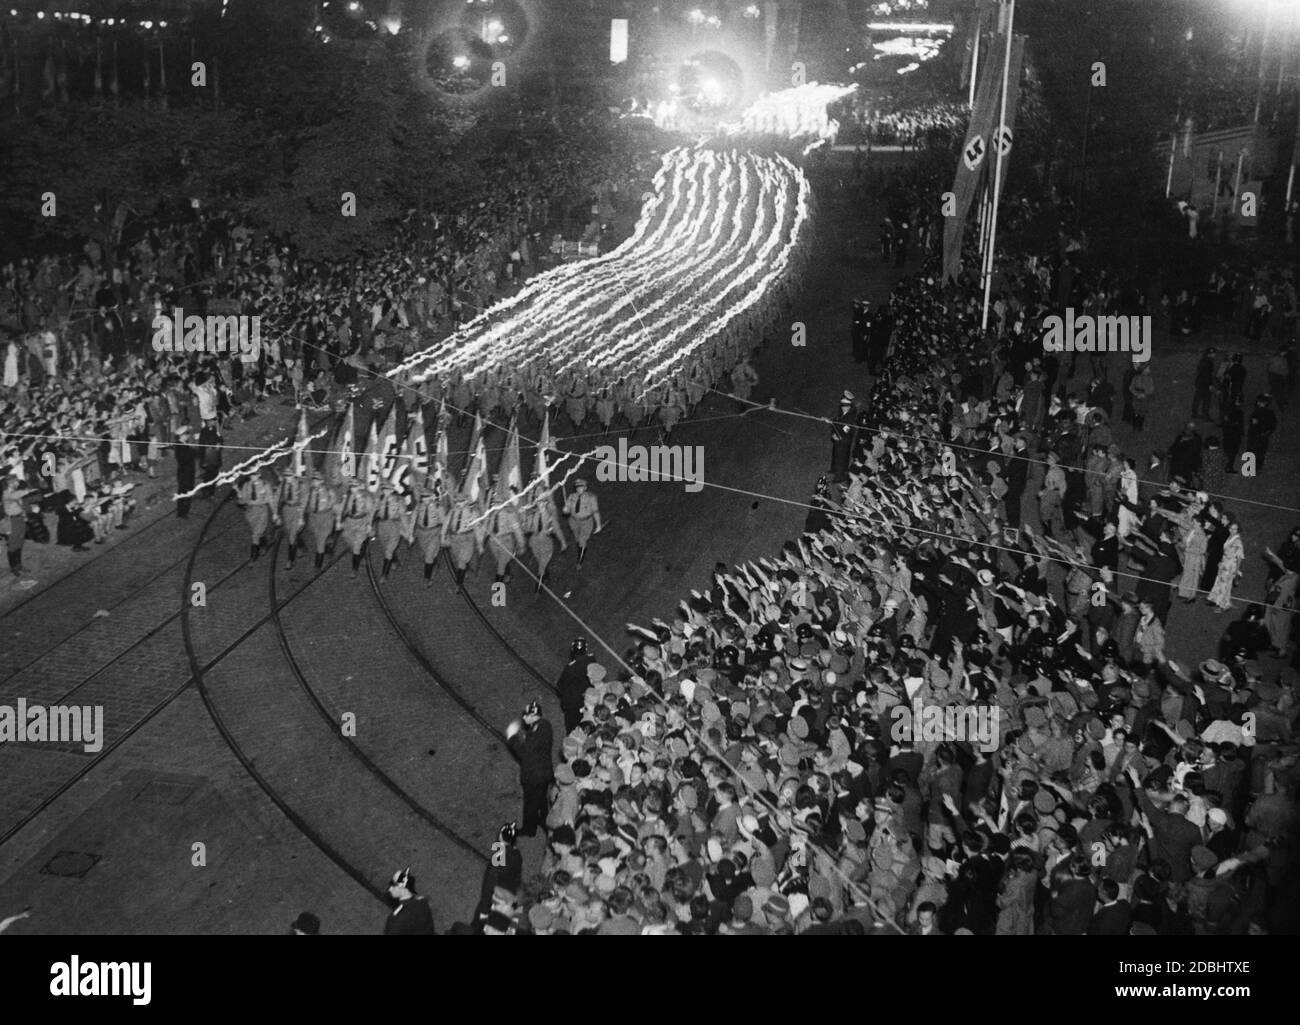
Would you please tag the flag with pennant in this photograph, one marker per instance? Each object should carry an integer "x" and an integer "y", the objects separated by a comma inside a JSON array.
[
  {"x": 441, "y": 449},
  {"x": 971, "y": 159},
  {"x": 510, "y": 472},
  {"x": 975, "y": 44},
  {"x": 300, "y": 444},
  {"x": 413, "y": 465},
  {"x": 341, "y": 460},
  {"x": 372, "y": 460},
  {"x": 389, "y": 446},
  {"x": 472, "y": 485},
  {"x": 1003, "y": 136}
]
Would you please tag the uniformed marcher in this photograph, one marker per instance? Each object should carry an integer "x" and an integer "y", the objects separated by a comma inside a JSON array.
[
  {"x": 356, "y": 519},
  {"x": 541, "y": 522},
  {"x": 257, "y": 498},
  {"x": 505, "y": 536},
  {"x": 390, "y": 524},
  {"x": 293, "y": 505},
  {"x": 462, "y": 535},
  {"x": 427, "y": 529},
  {"x": 322, "y": 514},
  {"x": 530, "y": 742},
  {"x": 573, "y": 683},
  {"x": 583, "y": 511},
  {"x": 411, "y": 914}
]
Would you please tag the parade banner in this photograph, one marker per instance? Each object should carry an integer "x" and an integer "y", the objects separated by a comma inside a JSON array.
[
  {"x": 371, "y": 460},
  {"x": 509, "y": 473},
  {"x": 341, "y": 460},
  {"x": 970, "y": 160}
]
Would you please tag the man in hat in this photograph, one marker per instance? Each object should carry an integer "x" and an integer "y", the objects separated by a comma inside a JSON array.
[
  {"x": 257, "y": 498},
  {"x": 355, "y": 519},
  {"x": 842, "y": 435},
  {"x": 322, "y": 514},
  {"x": 583, "y": 510},
  {"x": 573, "y": 682},
  {"x": 390, "y": 523},
  {"x": 540, "y": 521},
  {"x": 293, "y": 503},
  {"x": 427, "y": 527},
  {"x": 529, "y": 740},
  {"x": 411, "y": 914},
  {"x": 187, "y": 458}
]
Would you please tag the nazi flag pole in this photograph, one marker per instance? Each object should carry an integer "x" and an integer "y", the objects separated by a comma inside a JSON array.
[{"x": 999, "y": 138}]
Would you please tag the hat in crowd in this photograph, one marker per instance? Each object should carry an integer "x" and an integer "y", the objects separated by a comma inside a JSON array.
[
  {"x": 596, "y": 672},
  {"x": 1044, "y": 802},
  {"x": 307, "y": 924},
  {"x": 564, "y": 774},
  {"x": 762, "y": 871},
  {"x": 1212, "y": 667},
  {"x": 540, "y": 917},
  {"x": 742, "y": 908},
  {"x": 1218, "y": 816},
  {"x": 776, "y": 906},
  {"x": 1203, "y": 859}
]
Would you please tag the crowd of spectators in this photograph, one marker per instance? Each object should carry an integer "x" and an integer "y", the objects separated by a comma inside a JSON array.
[
  {"x": 85, "y": 398},
  {"x": 762, "y": 763}
]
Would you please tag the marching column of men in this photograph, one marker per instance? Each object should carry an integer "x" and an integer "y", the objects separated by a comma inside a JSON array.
[{"x": 429, "y": 520}]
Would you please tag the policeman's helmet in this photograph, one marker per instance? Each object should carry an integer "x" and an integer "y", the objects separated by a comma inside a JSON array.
[{"x": 578, "y": 646}]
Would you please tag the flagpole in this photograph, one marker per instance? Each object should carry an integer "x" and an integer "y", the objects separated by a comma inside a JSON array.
[
  {"x": 975, "y": 51},
  {"x": 997, "y": 172}
]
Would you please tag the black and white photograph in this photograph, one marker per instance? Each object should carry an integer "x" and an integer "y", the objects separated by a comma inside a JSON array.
[{"x": 651, "y": 467}]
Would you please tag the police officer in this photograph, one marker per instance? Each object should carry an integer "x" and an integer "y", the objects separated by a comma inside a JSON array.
[
  {"x": 390, "y": 524},
  {"x": 322, "y": 514},
  {"x": 257, "y": 499},
  {"x": 505, "y": 534},
  {"x": 293, "y": 505},
  {"x": 355, "y": 518},
  {"x": 462, "y": 535},
  {"x": 573, "y": 682},
  {"x": 411, "y": 914},
  {"x": 427, "y": 526},
  {"x": 583, "y": 511},
  {"x": 842, "y": 431},
  {"x": 541, "y": 522},
  {"x": 530, "y": 741}
]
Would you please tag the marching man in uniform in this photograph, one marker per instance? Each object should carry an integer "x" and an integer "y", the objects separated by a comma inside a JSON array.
[
  {"x": 583, "y": 511},
  {"x": 505, "y": 534},
  {"x": 390, "y": 524},
  {"x": 462, "y": 535},
  {"x": 293, "y": 504},
  {"x": 541, "y": 522},
  {"x": 322, "y": 514},
  {"x": 257, "y": 499},
  {"x": 427, "y": 529},
  {"x": 356, "y": 517}
]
